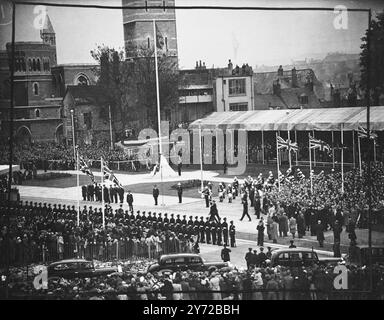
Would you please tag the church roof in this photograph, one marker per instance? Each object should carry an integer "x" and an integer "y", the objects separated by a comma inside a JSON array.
[{"x": 47, "y": 28}]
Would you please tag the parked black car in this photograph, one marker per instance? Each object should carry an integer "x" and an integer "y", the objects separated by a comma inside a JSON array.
[
  {"x": 299, "y": 257},
  {"x": 184, "y": 261},
  {"x": 77, "y": 268}
]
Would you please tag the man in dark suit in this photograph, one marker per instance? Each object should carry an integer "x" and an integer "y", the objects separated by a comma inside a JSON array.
[
  {"x": 180, "y": 192},
  {"x": 155, "y": 193},
  {"x": 130, "y": 200},
  {"x": 120, "y": 191},
  {"x": 106, "y": 194},
  {"x": 225, "y": 254},
  {"x": 84, "y": 192}
]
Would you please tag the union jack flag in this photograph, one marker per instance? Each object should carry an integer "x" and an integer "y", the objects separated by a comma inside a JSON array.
[
  {"x": 291, "y": 146},
  {"x": 84, "y": 167},
  {"x": 319, "y": 144},
  {"x": 362, "y": 133},
  {"x": 109, "y": 175}
]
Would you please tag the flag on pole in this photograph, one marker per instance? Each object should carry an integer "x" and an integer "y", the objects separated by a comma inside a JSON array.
[
  {"x": 159, "y": 39},
  {"x": 362, "y": 133},
  {"x": 84, "y": 168},
  {"x": 287, "y": 144},
  {"x": 109, "y": 175},
  {"x": 319, "y": 144}
]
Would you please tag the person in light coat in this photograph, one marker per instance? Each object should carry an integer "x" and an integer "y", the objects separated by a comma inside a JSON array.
[
  {"x": 215, "y": 286},
  {"x": 292, "y": 226},
  {"x": 274, "y": 231}
]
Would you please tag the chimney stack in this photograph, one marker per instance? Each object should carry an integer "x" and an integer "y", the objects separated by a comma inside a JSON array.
[{"x": 294, "y": 78}]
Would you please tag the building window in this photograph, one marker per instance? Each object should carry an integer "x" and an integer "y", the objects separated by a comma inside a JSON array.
[
  {"x": 46, "y": 64},
  {"x": 36, "y": 89},
  {"x": 38, "y": 65},
  {"x": 82, "y": 80},
  {"x": 166, "y": 43},
  {"x": 149, "y": 43},
  {"x": 238, "y": 106},
  {"x": 236, "y": 87},
  {"x": 30, "y": 65},
  {"x": 23, "y": 65},
  {"x": 88, "y": 120},
  {"x": 303, "y": 99},
  {"x": 167, "y": 115},
  {"x": 37, "y": 113},
  {"x": 34, "y": 64}
]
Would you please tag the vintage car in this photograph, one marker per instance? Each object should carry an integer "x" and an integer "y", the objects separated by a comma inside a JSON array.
[
  {"x": 184, "y": 261},
  {"x": 299, "y": 257},
  {"x": 77, "y": 268}
]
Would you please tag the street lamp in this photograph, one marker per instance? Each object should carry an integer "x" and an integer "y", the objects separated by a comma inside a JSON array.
[
  {"x": 73, "y": 134},
  {"x": 201, "y": 156}
]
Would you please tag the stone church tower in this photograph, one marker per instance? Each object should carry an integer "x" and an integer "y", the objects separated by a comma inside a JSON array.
[
  {"x": 47, "y": 33},
  {"x": 138, "y": 26}
]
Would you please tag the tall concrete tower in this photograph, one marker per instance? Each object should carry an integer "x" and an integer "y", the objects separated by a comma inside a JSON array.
[{"x": 138, "y": 26}]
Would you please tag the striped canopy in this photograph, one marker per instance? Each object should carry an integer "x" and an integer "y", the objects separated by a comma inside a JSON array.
[{"x": 324, "y": 119}]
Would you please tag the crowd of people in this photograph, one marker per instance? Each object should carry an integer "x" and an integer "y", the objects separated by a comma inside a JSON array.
[
  {"x": 254, "y": 283},
  {"x": 52, "y": 156},
  {"x": 41, "y": 232}
]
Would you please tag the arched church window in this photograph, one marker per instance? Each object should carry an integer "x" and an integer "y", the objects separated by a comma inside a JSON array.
[
  {"x": 36, "y": 89},
  {"x": 34, "y": 64},
  {"x": 37, "y": 113},
  {"x": 82, "y": 80},
  {"x": 38, "y": 65}
]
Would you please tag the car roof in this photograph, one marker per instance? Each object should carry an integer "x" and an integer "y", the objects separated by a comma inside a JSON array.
[
  {"x": 178, "y": 255},
  {"x": 293, "y": 250},
  {"x": 69, "y": 261}
]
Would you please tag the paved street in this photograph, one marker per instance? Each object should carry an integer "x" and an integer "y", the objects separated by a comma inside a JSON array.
[{"x": 190, "y": 206}]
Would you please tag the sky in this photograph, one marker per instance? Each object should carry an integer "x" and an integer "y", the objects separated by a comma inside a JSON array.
[{"x": 213, "y": 36}]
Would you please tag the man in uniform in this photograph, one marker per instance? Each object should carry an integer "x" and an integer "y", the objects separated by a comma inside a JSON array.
[
  {"x": 180, "y": 192},
  {"x": 172, "y": 219},
  {"x": 219, "y": 232},
  {"x": 232, "y": 234},
  {"x": 225, "y": 254},
  {"x": 202, "y": 230},
  {"x": 178, "y": 220},
  {"x": 224, "y": 227},
  {"x": 206, "y": 193},
  {"x": 155, "y": 193},
  {"x": 213, "y": 232},
  {"x": 207, "y": 226},
  {"x": 166, "y": 219},
  {"x": 245, "y": 208},
  {"x": 106, "y": 194}
]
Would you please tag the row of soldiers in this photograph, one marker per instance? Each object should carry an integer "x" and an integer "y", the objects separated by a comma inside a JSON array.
[
  {"x": 112, "y": 194},
  {"x": 205, "y": 231}
]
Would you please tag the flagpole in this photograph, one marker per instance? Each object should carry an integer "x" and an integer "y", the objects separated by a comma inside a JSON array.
[
  {"x": 158, "y": 111},
  {"x": 277, "y": 161},
  {"x": 102, "y": 191},
  {"x": 78, "y": 186},
  {"x": 374, "y": 150},
  {"x": 314, "y": 150},
  {"x": 353, "y": 151},
  {"x": 310, "y": 161},
  {"x": 342, "y": 159},
  {"x": 333, "y": 150},
  {"x": 359, "y": 147},
  {"x": 289, "y": 149},
  {"x": 110, "y": 126},
  {"x": 297, "y": 160}
]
